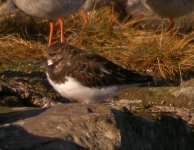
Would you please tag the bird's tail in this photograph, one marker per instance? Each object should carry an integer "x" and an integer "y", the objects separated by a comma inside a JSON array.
[
  {"x": 137, "y": 79},
  {"x": 145, "y": 79}
]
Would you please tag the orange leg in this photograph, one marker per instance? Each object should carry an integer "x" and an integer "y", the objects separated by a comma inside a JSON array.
[
  {"x": 171, "y": 24},
  {"x": 84, "y": 16},
  {"x": 52, "y": 27},
  {"x": 61, "y": 23}
]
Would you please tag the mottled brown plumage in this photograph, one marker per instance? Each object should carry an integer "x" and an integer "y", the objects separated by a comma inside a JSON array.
[{"x": 90, "y": 69}]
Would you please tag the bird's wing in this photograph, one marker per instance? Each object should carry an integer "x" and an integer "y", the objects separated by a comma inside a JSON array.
[{"x": 94, "y": 70}]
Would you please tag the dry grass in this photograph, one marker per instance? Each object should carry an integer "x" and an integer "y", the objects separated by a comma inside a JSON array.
[{"x": 166, "y": 55}]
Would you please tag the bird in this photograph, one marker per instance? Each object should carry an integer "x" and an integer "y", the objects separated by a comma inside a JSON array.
[
  {"x": 87, "y": 77},
  {"x": 90, "y": 5},
  {"x": 170, "y": 8},
  {"x": 47, "y": 9}
]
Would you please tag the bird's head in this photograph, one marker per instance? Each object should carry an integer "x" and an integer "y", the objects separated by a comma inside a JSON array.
[{"x": 54, "y": 53}]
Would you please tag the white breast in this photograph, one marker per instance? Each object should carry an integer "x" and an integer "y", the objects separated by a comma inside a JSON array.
[{"x": 72, "y": 89}]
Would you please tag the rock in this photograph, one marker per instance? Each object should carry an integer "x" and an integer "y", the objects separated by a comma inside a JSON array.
[
  {"x": 22, "y": 95},
  {"x": 5, "y": 89},
  {"x": 184, "y": 91},
  {"x": 73, "y": 126}
]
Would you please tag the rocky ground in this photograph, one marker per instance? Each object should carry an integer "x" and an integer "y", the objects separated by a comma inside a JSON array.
[
  {"x": 154, "y": 117},
  {"x": 33, "y": 116},
  {"x": 79, "y": 126}
]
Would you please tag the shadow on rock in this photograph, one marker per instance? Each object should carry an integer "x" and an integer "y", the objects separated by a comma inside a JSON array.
[
  {"x": 15, "y": 116},
  {"x": 169, "y": 132},
  {"x": 14, "y": 137}
]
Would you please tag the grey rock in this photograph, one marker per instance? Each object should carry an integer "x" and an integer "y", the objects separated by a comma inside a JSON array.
[{"x": 73, "y": 126}]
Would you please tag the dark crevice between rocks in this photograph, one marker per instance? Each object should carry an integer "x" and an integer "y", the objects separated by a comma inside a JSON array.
[{"x": 166, "y": 132}]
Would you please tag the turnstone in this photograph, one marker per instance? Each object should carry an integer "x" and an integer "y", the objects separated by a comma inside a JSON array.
[
  {"x": 47, "y": 9},
  {"x": 170, "y": 8},
  {"x": 87, "y": 77}
]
